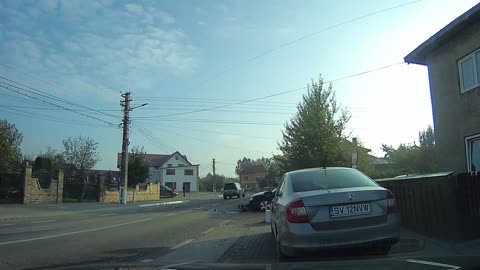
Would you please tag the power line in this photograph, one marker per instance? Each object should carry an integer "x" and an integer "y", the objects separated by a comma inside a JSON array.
[
  {"x": 278, "y": 94},
  {"x": 50, "y": 95},
  {"x": 56, "y": 120},
  {"x": 47, "y": 102},
  {"x": 239, "y": 122},
  {"x": 218, "y": 132},
  {"x": 152, "y": 138},
  {"x": 216, "y": 142},
  {"x": 269, "y": 51}
]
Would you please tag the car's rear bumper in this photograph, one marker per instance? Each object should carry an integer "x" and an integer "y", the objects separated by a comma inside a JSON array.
[{"x": 302, "y": 237}]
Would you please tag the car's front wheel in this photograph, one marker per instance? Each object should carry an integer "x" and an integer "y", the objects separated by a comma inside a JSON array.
[{"x": 264, "y": 205}]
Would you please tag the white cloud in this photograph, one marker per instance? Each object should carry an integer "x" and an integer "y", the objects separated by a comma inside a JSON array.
[
  {"x": 108, "y": 50},
  {"x": 134, "y": 8},
  {"x": 201, "y": 23}
]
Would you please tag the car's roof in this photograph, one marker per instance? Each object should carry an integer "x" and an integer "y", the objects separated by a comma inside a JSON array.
[{"x": 319, "y": 169}]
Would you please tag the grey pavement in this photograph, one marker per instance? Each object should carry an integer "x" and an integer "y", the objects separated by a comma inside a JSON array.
[{"x": 204, "y": 229}]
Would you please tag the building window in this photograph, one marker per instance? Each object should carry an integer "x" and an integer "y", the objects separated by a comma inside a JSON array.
[
  {"x": 176, "y": 157},
  {"x": 469, "y": 69},
  {"x": 472, "y": 146},
  {"x": 188, "y": 172},
  {"x": 181, "y": 165},
  {"x": 169, "y": 165},
  {"x": 170, "y": 171}
]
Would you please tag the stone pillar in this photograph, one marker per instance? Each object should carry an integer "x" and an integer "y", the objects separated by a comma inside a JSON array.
[
  {"x": 60, "y": 186},
  {"x": 27, "y": 186}
]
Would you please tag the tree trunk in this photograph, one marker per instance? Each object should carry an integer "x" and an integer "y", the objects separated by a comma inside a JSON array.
[{"x": 85, "y": 180}]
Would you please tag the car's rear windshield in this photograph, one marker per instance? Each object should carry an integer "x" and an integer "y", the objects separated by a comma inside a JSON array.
[
  {"x": 230, "y": 186},
  {"x": 327, "y": 179}
]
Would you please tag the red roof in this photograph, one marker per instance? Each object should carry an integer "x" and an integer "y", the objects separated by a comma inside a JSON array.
[
  {"x": 155, "y": 160},
  {"x": 254, "y": 169}
]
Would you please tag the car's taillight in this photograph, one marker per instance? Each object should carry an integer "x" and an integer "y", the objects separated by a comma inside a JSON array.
[
  {"x": 296, "y": 212},
  {"x": 392, "y": 206}
]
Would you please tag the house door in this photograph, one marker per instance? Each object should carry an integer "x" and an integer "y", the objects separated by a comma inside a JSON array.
[{"x": 187, "y": 186}]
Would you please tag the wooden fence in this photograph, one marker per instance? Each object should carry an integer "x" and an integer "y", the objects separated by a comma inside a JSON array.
[{"x": 442, "y": 205}]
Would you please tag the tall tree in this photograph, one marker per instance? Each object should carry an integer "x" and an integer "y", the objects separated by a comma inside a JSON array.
[
  {"x": 10, "y": 140},
  {"x": 314, "y": 136},
  {"x": 245, "y": 162},
  {"x": 81, "y": 152},
  {"x": 412, "y": 158},
  {"x": 138, "y": 167}
]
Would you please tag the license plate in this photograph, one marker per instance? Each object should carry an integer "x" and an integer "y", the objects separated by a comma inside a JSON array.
[{"x": 350, "y": 210}]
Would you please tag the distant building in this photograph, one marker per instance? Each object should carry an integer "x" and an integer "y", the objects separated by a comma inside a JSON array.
[
  {"x": 250, "y": 176},
  {"x": 172, "y": 170},
  {"x": 453, "y": 59}
]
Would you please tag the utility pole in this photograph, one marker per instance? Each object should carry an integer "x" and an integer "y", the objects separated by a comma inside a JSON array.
[
  {"x": 125, "y": 103},
  {"x": 213, "y": 169}
]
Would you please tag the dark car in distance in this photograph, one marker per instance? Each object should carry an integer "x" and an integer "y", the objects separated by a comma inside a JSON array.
[
  {"x": 167, "y": 192},
  {"x": 233, "y": 190},
  {"x": 261, "y": 200}
]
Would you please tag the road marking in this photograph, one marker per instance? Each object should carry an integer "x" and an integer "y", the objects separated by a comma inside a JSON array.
[
  {"x": 186, "y": 211},
  {"x": 43, "y": 221},
  {"x": 167, "y": 267},
  {"x": 207, "y": 231},
  {"x": 149, "y": 209},
  {"x": 7, "y": 224},
  {"x": 169, "y": 215},
  {"x": 109, "y": 214},
  {"x": 146, "y": 260},
  {"x": 450, "y": 267},
  {"x": 214, "y": 204},
  {"x": 182, "y": 244},
  {"x": 219, "y": 196},
  {"x": 157, "y": 204},
  {"x": 71, "y": 233},
  {"x": 198, "y": 208},
  {"x": 232, "y": 212}
]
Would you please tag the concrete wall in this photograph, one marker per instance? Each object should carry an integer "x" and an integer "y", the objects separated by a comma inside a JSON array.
[
  {"x": 251, "y": 180},
  {"x": 137, "y": 194},
  {"x": 455, "y": 115},
  {"x": 34, "y": 193}
]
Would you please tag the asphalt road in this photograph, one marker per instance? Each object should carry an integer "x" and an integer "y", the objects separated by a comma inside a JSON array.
[{"x": 206, "y": 232}]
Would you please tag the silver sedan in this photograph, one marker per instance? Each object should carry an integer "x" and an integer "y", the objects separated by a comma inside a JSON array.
[{"x": 322, "y": 208}]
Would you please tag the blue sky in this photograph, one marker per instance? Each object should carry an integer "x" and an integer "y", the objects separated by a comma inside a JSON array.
[{"x": 181, "y": 56}]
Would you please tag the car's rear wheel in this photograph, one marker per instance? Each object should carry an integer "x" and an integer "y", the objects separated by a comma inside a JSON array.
[{"x": 264, "y": 205}]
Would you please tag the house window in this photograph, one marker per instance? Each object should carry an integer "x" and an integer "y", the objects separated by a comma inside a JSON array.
[
  {"x": 170, "y": 171},
  {"x": 169, "y": 165},
  {"x": 469, "y": 69},
  {"x": 181, "y": 165},
  {"x": 188, "y": 172},
  {"x": 176, "y": 157},
  {"x": 472, "y": 146}
]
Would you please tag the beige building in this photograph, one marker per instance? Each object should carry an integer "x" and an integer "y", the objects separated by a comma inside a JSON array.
[
  {"x": 453, "y": 59},
  {"x": 250, "y": 176}
]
